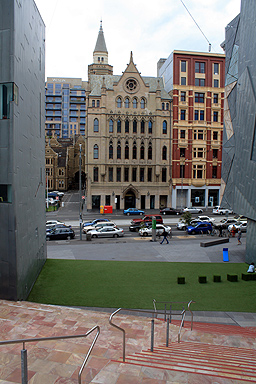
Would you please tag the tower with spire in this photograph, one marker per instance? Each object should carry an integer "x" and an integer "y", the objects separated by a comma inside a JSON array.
[{"x": 100, "y": 64}]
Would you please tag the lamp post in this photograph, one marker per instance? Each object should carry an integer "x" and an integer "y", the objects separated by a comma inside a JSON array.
[
  {"x": 47, "y": 200},
  {"x": 80, "y": 191}
]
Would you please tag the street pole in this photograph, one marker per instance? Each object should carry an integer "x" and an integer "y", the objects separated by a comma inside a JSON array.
[
  {"x": 80, "y": 191},
  {"x": 47, "y": 204}
]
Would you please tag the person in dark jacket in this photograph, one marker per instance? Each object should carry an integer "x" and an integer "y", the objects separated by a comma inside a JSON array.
[{"x": 165, "y": 234}]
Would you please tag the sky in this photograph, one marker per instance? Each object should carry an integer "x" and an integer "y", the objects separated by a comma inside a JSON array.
[{"x": 151, "y": 29}]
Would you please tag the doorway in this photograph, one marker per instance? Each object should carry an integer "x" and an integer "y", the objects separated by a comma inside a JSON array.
[{"x": 130, "y": 200}]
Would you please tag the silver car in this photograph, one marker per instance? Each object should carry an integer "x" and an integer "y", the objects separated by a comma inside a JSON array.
[
  {"x": 89, "y": 228},
  {"x": 107, "y": 232},
  {"x": 193, "y": 210},
  {"x": 159, "y": 230}
]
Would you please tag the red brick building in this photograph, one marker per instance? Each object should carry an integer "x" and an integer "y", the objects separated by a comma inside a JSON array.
[{"x": 195, "y": 80}]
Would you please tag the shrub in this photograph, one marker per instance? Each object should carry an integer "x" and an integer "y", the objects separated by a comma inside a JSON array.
[
  {"x": 217, "y": 279},
  {"x": 202, "y": 279},
  {"x": 233, "y": 278},
  {"x": 181, "y": 280}
]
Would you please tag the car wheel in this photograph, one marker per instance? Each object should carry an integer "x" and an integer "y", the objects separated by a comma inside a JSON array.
[
  {"x": 177, "y": 213},
  {"x": 164, "y": 213},
  {"x": 137, "y": 229},
  {"x": 145, "y": 234},
  {"x": 141, "y": 213},
  {"x": 93, "y": 236},
  {"x": 47, "y": 238},
  {"x": 69, "y": 237},
  {"x": 222, "y": 213},
  {"x": 193, "y": 232},
  {"x": 115, "y": 235},
  {"x": 184, "y": 228},
  {"x": 128, "y": 213}
]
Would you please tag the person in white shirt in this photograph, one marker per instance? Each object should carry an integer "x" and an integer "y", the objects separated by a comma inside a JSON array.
[{"x": 251, "y": 268}]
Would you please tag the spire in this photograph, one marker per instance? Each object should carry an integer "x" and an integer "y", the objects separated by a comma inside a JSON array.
[{"x": 100, "y": 44}]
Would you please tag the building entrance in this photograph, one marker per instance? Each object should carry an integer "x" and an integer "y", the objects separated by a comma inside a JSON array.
[{"x": 129, "y": 200}]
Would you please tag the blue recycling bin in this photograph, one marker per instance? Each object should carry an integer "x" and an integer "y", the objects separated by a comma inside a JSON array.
[{"x": 225, "y": 254}]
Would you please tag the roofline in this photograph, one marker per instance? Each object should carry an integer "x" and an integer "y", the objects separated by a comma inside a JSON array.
[{"x": 198, "y": 53}]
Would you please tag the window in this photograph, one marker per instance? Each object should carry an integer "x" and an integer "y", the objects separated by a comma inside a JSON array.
[
  {"x": 183, "y": 96},
  {"x": 216, "y": 83},
  {"x": 215, "y": 98},
  {"x": 182, "y": 171},
  {"x": 214, "y": 171},
  {"x": 134, "y": 150},
  {"x": 134, "y": 174},
  {"x": 216, "y": 68},
  {"x": 199, "y": 67},
  {"x": 182, "y": 152},
  {"x": 118, "y": 151},
  {"x": 119, "y": 102},
  {"x": 126, "y": 126},
  {"x": 134, "y": 103},
  {"x": 183, "y": 66},
  {"x": 196, "y": 114},
  {"x": 142, "y": 103},
  {"x": 164, "y": 153},
  {"x": 215, "y": 135},
  {"x": 142, "y": 126},
  {"x": 126, "y": 174},
  {"x": 215, "y": 116},
  {"x": 201, "y": 115},
  {"x": 98, "y": 103},
  {"x": 118, "y": 126},
  {"x": 142, "y": 151},
  {"x": 162, "y": 106},
  {"x": 127, "y": 103},
  {"x": 164, "y": 173},
  {"x": 150, "y": 151},
  {"x": 150, "y": 127},
  {"x": 150, "y": 175},
  {"x": 118, "y": 174},
  {"x": 110, "y": 150},
  {"x": 111, "y": 126},
  {"x": 198, "y": 134},
  {"x": 93, "y": 103},
  {"x": 215, "y": 153},
  {"x": 197, "y": 171},
  {"x": 182, "y": 134},
  {"x": 167, "y": 106},
  {"x": 183, "y": 81},
  {"x": 110, "y": 174},
  {"x": 95, "y": 174},
  {"x": 134, "y": 126},
  {"x": 142, "y": 174},
  {"x": 199, "y": 97},
  {"x": 199, "y": 82},
  {"x": 164, "y": 127},
  {"x": 183, "y": 114},
  {"x": 126, "y": 150},
  {"x": 95, "y": 151},
  {"x": 96, "y": 125}
]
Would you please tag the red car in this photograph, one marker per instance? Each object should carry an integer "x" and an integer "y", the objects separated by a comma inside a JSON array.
[{"x": 148, "y": 219}]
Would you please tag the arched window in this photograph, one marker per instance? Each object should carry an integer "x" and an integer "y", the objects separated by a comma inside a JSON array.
[
  {"x": 164, "y": 127},
  {"x": 118, "y": 152},
  {"x": 134, "y": 150},
  {"x": 150, "y": 125},
  {"x": 110, "y": 150},
  {"x": 142, "y": 126},
  {"x": 126, "y": 126},
  {"x": 111, "y": 126},
  {"x": 119, "y": 102},
  {"x": 95, "y": 151},
  {"x": 150, "y": 151},
  {"x": 142, "y": 151},
  {"x": 164, "y": 153},
  {"x": 134, "y": 125},
  {"x": 126, "y": 150},
  {"x": 134, "y": 103},
  {"x": 119, "y": 126},
  {"x": 127, "y": 102},
  {"x": 96, "y": 125},
  {"x": 142, "y": 103}
]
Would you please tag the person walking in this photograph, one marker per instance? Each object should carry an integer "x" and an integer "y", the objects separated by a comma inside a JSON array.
[
  {"x": 239, "y": 235},
  {"x": 165, "y": 234}
]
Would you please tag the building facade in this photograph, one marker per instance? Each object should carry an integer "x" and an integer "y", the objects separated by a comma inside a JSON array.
[
  {"x": 195, "y": 81},
  {"x": 22, "y": 150},
  {"x": 239, "y": 144}
]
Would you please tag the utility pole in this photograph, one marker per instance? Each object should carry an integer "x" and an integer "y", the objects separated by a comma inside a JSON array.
[{"x": 80, "y": 191}]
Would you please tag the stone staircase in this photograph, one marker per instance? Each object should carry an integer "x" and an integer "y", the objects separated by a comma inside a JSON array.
[{"x": 209, "y": 354}]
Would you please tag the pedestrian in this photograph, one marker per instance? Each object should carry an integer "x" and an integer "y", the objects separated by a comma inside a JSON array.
[
  {"x": 251, "y": 268},
  {"x": 165, "y": 234},
  {"x": 239, "y": 235}
]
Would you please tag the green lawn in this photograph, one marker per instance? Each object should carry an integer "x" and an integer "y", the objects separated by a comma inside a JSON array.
[{"x": 114, "y": 284}]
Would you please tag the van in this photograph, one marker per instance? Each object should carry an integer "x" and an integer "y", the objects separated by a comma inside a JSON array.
[{"x": 148, "y": 219}]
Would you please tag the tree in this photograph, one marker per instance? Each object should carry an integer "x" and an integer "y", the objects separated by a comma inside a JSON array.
[{"x": 186, "y": 218}]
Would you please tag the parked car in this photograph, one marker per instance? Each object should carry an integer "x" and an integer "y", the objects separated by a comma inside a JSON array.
[
  {"x": 60, "y": 194},
  {"x": 241, "y": 225},
  {"x": 148, "y": 219},
  {"x": 199, "y": 228},
  {"x": 224, "y": 223},
  {"x": 221, "y": 211},
  {"x": 53, "y": 222},
  {"x": 240, "y": 218},
  {"x": 107, "y": 232},
  {"x": 193, "y": 210},
  {"x": 206, "y": 218},
  {"x": 137, "y": 226},
  {"x": 51, "y": 201},
  {"x": 87, "y": 223},
  {"x": 170, "y": 211},
  {"x": 98, "y": 226},
  {"x": 60, "y": 234},
  {"x": 133, "y": 211},
  {"x": 183, "y": 226},
  {"x": 49, "y": 228},
  {"x": 147, "y": 231}
]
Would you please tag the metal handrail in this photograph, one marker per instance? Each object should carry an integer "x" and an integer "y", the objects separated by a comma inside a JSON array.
[
  {"x": 24, "y": 355},
  {"x": 183, "y": 313}
]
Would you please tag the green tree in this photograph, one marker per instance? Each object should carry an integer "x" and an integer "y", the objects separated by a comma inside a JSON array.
[{"x": 186, "y": 218}]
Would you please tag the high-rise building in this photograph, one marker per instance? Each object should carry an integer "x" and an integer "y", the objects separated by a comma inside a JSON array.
[
  {"x": 22, "y": 139},
  {"x": 195, "y": 81}
]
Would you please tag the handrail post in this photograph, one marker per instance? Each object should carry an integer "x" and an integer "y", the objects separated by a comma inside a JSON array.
[
  {"x": 165, "y": 312},
  {"x": 24, "y": 365},
  {"x": 167, "y": 332},
  {"x": 121, "y": 329},
  {"x": 152, "y": 335},
  {"x": 170, "y": 313}
]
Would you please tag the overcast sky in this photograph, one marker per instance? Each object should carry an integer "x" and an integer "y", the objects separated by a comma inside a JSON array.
[{"x": 152, "y": 29}]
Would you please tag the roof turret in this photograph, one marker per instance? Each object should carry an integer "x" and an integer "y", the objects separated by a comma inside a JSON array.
[{"x": 100, "y": 44}]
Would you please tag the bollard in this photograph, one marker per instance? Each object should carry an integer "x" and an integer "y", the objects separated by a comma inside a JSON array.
[
  {"x": 24, "y": 366},
  {"x": 167, "y": 332}
]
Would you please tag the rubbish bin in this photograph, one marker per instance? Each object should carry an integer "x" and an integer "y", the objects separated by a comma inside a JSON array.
[
  {"x": 108, "y": 209},
  {"x": 88, "y": 236}
]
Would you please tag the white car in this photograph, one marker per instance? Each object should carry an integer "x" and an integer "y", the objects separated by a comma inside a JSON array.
[
  {"x": 221, "y": 211},
  {"x": 242, "y": 226},
  {"x": 89, "y": 228},
  {"x": 147, "y": 231},
  {"x": 54, "y": 222},
  {"x": 193, "y": 210},
  {"x": 183, "y": 226},
  {"x": 206, "y": 218},
  {"x": 107, "y": 232}
]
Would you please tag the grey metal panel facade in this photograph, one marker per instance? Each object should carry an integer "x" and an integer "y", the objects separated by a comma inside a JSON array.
[
  {"x": 22, "y": 237},
  {"x": 239, "y": 166}
]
